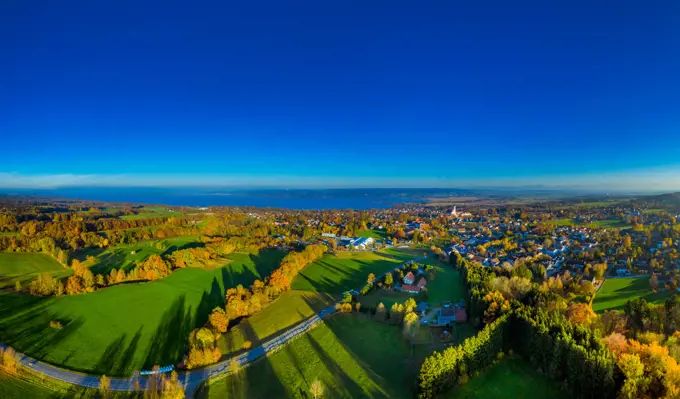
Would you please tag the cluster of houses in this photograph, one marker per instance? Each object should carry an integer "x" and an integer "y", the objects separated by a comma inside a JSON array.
[{"x": 566, "y": 241}]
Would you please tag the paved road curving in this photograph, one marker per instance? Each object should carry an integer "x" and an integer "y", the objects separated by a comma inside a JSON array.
[{"x": 190, "y": 379}]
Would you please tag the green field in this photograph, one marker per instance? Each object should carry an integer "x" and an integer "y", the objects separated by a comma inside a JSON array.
[
  {"x": 353, "y": 357},
  {"x": 23, "y": 267},
  {"x": 153, "y": 212},
  {"x": 33, "y": 386},
  {"x": 386, "y": 297},
  {"x": 446, "y": 286},
  {"x": 372, "y": 233},
  {"x": 334, "y": 274},
  {"x": 404, "y": 254},
  {"x": 617, "y": 291},
  {"x": 289, "y": 309},
  {"x": 122, "y": 257},
  {"x": 603, "y": 224},
  {"x": 609, "y": 224},
  {"x": 510, "y": 378},
  {"x": 562, "y": 222},
  {"x": 316, "y": 287},
  {"x": 127, "y": 327}
]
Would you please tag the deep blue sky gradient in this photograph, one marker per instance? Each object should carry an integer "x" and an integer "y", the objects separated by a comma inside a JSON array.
[{"x": 438, "y": 89}]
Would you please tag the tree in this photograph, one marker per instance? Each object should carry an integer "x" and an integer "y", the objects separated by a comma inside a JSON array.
[
  {"x": 633, "y": 370},
  {"x": 638, "y": 312},
  {"x": 316, "y": 389},
  {"x": 371, "y": 278},
  {"x": 672, "y": 317},
  {"x": 410, "y": 305},
  {"x": 396, "y": 313},
  {"x": 599, "y": 270},
  {"x": 627, "y": 242},
  {"x": 17, "y": 286},
  {"x": 654, "y": 282},
  {"x": 73, "y": 285},
  {"x": 587, "y": 287},
  {"x": 218, "y": 320},
  {"x": 380, "y": 312},
  {"x": 104, "y": 385},
  {"x": 171, "y": 387},
  {"x": 522, "y": 271},
  {"x": 205, "y": 338},
  {"x": 580, "y": 313},
  {"x": 8, "y": 360},
  {"x": 411, "y": 325},
  {"x": 234, "y": 366},
  {"x": 389, "y": 280}
]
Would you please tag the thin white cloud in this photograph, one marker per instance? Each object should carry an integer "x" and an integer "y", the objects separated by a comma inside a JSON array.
[{"x": 657, "y": 179}]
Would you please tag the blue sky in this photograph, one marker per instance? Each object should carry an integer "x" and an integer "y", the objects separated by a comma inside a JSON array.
[{"x": 349, "y": 93}]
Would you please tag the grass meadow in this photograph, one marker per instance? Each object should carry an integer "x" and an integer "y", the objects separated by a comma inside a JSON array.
[
  {"x": 153, "y": 212},
  {"x": 127, "y": 327},
  {"x": 352, "y": 356},
  {"x": 510, "y": 378},
  {"x": 24, "y": 267},
  {"x": 372, "y": 233},
  {"x": 617, "y": 291},
  {"x": 603, "y": 224},
  {"x": 126, "y": 255},
  {"x": 29, "y": 385},
  {"x": 334, "y": 274}
]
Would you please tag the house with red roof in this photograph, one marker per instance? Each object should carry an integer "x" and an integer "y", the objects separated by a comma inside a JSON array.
[
  {"x": 421, "y": 283},
  {"x": 409, "y": 279},
  {"x": 414, "y": 289}
]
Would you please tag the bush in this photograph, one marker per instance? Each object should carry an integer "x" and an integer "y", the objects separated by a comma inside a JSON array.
[{"x": 56, "y": 324}]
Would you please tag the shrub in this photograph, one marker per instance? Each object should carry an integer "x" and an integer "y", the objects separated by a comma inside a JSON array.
[{"x": 56, "y": 324}]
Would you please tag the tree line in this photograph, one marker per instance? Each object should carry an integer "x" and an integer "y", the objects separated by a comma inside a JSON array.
[{"x": 242, "y": 302}]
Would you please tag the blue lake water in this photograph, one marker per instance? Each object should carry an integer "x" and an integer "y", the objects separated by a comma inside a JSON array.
[{"x": 288, "y": 199}]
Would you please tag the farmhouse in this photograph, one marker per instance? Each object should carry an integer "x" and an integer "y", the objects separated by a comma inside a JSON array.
[
  {"x": 448, "y": 315},
  {"x": 362, "y": 242},
  {"x": 409, "y": 279},
  {"x": 421, "y": 283},
  {"x": 413, "y": 289}
]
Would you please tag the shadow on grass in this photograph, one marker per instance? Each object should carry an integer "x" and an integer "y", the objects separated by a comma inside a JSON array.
[
  {"x": 117, "y": 359},
  {"x": 257, "y": 380},
  {"x": 24, "y": 324},
  {"x": 168, "y": 343}
]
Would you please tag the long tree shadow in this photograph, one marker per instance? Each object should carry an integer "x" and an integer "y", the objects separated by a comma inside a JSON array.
[
  {"x": 188, "y": 245},
  {"x": 170, "y": 339},
  {"x": 344, "y": 380},
  {"x": 209, "y": 301},
  {"x": 24, "y": 324},
  {"x": 116, "y": 359},
  {"x": 231, "y": 278}
]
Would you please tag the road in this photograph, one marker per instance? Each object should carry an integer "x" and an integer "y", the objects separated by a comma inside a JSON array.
[{"x": 190, "y": 379}]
